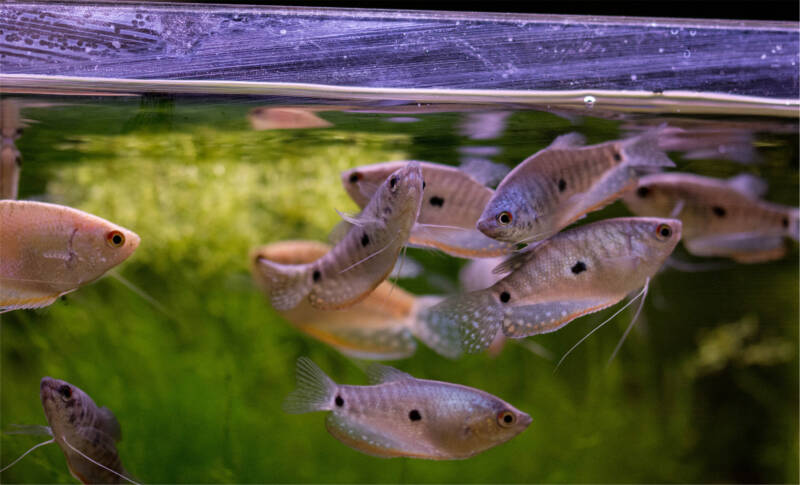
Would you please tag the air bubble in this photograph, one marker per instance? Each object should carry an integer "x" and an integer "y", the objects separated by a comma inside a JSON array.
[
  {"x": 692, "y": 33},
  {"x": 589, "y": 101},
  {"x": 674, "y": 31},
  {"x": 283, "y": 31},
  {"x": 687, "y": 53},
  {"x": 633, "y": 77}
]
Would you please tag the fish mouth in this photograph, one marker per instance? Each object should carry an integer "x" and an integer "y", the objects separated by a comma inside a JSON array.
[
  {"x": 486, "y": 226},
  {"x": 47, "y": 387},
  {"x": 524, "y": 420}
]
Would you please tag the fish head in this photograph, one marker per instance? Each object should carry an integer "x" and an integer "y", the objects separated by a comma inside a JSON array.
[
  {"x": 361, "y": 183},
  {"x": 650, "y": 198},
  {"x": 400, "y": 196},
  {"x": 99, "y": 245},
  {"x": 653, "y": 239},
  {"x": 509, "y": 217},
  {"x": 494, "y": 421},
  {"x": 63, "y": 404}
]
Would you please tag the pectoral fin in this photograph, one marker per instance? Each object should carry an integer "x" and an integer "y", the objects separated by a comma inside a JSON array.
[
  {"x": 458, "y": 241},
  {"x": 742, "y": 247}
]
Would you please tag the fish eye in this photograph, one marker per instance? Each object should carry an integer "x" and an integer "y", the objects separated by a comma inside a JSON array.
[
  {"x": 506, "y": 419},
  {"x": 392, "y": 182},
  {"x": 65, "y": 391},
  {"x": 504, "y": 218},
  {"x": 663, "y": 231},
  {"x": 355, "y": 177},
  {"x": 115, "y": 239}
]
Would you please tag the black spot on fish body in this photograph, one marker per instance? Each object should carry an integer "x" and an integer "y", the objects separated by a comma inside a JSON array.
[
  {"x": 505, "y": 297},
  {"x": 437, "y": 201},
  {"x": 643, "y": 192},
  {"x": 617, "y": 157},
  {"x": 72, "y": 418},
  {"x": 579, "y": 267},
  {"x": 387, "y": 210},
  {"x": 719, "y": 211},
  {"x": 339, "y": 401},
  {"x": 562, "y": 185},
  {"x": 785, "y": 222},
  {"x": 364, "y": 240},
  {"x": 316, "y": 275},
  {"x": 414, "y": 415}
]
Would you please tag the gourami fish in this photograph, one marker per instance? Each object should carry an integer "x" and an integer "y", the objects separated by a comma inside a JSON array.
[
  {"x": 563, "y": 182},
  {"x": 48, "y": 250},
  {"x": 399, "y": 415},
  {"x": 377, "y": 327},
  {"x": 576, "y": 272},
  {"x": 454, "y": 199},
  {"x": 10, "y": 164},
  {"x": 720, "y": 217},
  {"x": 86, "y": 434},
  {"x": 362, "y": 259}
]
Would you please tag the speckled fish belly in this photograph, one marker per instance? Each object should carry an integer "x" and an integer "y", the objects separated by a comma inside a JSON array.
[
  {"x": 563, "y": 182},
  {"x": 400, "y": 415},
  {"x": 453, "y": 202},
  {"x": 574, "y": 273},
  {"x": 720, "y": 217},
  {"x": 377, "y": 327},
  {"x": 77, "y": 422},
  {"x": 47, "y": 250},
  {"x": 362, "y": 259}
]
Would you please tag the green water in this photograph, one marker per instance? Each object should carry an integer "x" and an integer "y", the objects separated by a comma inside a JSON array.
[{"x": 705, "y": 389}]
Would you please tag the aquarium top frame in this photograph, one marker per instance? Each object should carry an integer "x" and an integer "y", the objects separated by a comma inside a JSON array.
[{"x": 354, "y": 50}]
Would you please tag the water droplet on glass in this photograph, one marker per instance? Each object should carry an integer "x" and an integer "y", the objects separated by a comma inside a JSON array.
[
  {"x": 589, "y": 101},
  {"x": 660, "y": 50},
  {"x": 674, "y": 31},
  {"x": 283, "y": 31},
  {"x": 692, "y": 33},
  {"x": 763, "y": 56},
  {"x": 633, "y": 77}
]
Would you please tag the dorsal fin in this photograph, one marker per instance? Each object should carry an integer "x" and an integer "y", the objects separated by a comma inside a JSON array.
[
  {"x": 570, "y": 140},
  {"x": 378, "y": 374},
  {"x": 107, "y": 422},
  {"x": 516, "y": 260},
  {"x": 484, "y": 171},
  {"x": 748, "y": 185}
]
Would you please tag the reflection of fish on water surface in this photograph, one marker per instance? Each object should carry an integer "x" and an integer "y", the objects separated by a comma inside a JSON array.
[
  {"x": 561, "y": 183},
  {"x": 10, "y": 164},
  {"x": 720, "y": 217},
  {"x": 576, "y": 272},
  {"x": 362, "y": 259},
  {"x": 453, "y": 202},
  {"x": 87, "y": 434},
  {"x": 47, "y": 250},
  {"x": 399, "y": 415}
]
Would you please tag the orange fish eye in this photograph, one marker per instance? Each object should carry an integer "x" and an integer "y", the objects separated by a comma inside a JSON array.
[
  {"x": 65, "y": 391},
  {"x": 663, "y": 231},
  {"x": 506, "y": 419},
  {"x": 504, "y": 218},
  {"x": 115, "y": 239}
]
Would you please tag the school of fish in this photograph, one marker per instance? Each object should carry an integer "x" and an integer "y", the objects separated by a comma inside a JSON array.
[{"x": 532, "y": 273}]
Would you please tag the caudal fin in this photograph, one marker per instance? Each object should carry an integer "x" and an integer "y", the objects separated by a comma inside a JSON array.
[
  {"x": 315, "y": 390},
  {"x": 462, "y": 323},
  {"x": 287, "y": 284},
  {"x": 643, "y": 151}
]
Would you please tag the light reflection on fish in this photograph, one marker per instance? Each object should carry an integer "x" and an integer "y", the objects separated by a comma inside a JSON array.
[
  {"x": 47, "y": 250},
  {"x": 454, "y": 199},
  {"x": 576, "y": 272},
  {"x": 76, "y": 420},
  {"x": 723, "y": 218},
  {"x": 563, "y": 182},
  {"x": 362, "y": 259},
  {"x": 399, "y": 415}
]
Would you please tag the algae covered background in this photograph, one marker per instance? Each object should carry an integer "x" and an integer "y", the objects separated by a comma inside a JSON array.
[{"x": 705, "y": 389}]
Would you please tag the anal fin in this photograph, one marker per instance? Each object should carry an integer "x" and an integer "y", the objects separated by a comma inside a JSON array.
[{"x": 525, "y": 320}]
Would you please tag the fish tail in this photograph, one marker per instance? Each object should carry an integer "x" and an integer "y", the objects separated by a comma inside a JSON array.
[
  {"x": 793, "y": 230},
  {"x": 462, "y": 323},
  {"x": 315, "y": 390},
  {"x": 287, "y": 284},
  {"x": 644, "y": 151}
]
